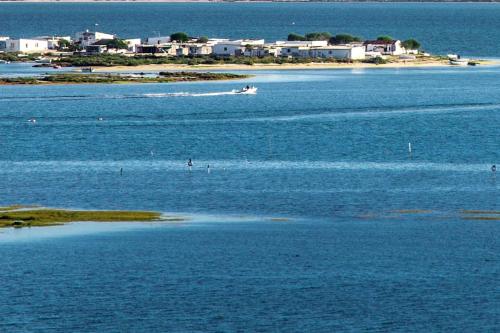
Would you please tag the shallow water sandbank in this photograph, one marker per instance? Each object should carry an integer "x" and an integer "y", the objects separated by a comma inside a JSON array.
[
  {"x": 162, "y": 77},
  {"x": 28, "y": 217}
]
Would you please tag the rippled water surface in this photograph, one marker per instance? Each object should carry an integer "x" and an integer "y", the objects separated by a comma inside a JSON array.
[
  {"x": 313, "y": 214},
  {"x": 466, "y": 28}
]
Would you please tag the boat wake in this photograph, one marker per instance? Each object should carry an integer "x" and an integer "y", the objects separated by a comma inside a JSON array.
[
  {"x": 55, "y": 98},
  {"x": 188, "y": 94}
]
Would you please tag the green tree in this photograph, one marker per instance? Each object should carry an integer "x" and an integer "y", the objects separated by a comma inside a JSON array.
[
  {"x": 63, "y": 44},
  {"x": 411, "y": 44},
  {"x": 377, "y": 61},
  {"x": 385, "y": 38},
  {"x": 202, "y": 39},
  {"x": 295, "y": 37},
  {"x": 344, "y": 39},
  {"x": 318, "y": 36},
  {"x": 117, "y": 43},
  {"x": 179, "y": 37}
]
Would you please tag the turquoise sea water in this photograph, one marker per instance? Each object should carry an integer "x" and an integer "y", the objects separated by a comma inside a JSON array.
[
  {"x": 467, "y": 28},
  {"x": 325, "y": 149}
]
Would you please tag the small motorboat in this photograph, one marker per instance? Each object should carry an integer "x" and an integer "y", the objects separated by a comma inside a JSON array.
[
  {"x": 248, "y": 90},
  {"x": 459, "y": 62},
  {"x": 4, "y": 62},
  {"x": 42, "y": 65},
  {"x": 42, "y": 60},
  {"x": 87, "y": 70}
]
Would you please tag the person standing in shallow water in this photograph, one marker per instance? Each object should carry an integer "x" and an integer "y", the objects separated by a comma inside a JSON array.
[{"x": 190, "y": 164}]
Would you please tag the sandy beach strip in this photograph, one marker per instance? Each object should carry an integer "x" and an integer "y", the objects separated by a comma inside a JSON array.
[{"x": 263, "y": 67}]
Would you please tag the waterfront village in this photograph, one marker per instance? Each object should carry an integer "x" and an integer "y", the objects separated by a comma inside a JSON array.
[{"x": 320, "y": 45}]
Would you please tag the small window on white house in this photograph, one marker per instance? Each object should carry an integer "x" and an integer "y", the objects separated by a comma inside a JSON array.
[{"x": 225, "y": 49}]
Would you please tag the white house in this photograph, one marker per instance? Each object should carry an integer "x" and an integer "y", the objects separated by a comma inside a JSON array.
[
  {"x": 132, "y": 44},
  {"x": 235, "y": 47},
  {"x": 179, "y": 50},
  {"x": 53, "y": 41},
  {"x": 295, "y": 51},
  {"x": 262, "y": 51},
  {"x": 157, "y": 40},
  {"x": 196, "y": 49},
  {"x": 26, "y": 45},
  {"x": 392, "y": 47},
  {"x": 303, "y": 43},
  {"x": 213, "y": 41},
  {"x": 86, "y": 38},
  {"x": 347, "y": 52},
  {"x": 298, "y": 49},
  {"x": 3, "y": 43}
]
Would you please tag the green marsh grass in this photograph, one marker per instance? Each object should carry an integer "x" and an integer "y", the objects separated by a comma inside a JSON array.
[{"x": 48, "y": 217}]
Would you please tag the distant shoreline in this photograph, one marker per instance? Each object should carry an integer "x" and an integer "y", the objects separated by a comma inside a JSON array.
[
  {"x": 261, "y": 67},
  {"x": 243, "y": 1}
]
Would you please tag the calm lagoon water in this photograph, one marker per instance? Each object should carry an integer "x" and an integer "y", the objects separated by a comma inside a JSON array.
[{"x": 325, "y": 149}]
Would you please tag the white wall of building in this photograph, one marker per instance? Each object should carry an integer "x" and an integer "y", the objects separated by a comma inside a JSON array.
[
  {"x": 235, "y": 47},
  {"x": 53, "y": 42},
  {"x": 157, "y": 40},
  {"x": 347, "y": 52},
  {"x": 26, "y": 45},
  {"x": 132, "y": 44},
  {"x": 200, "y": 49},
  {"x": 87, "y": 38},
  {"x": 391, "y": 48},
  {"x": 227, "y": 49},
  {"x": 303, "y": 43},
  {"x": 295, "y": 51}
]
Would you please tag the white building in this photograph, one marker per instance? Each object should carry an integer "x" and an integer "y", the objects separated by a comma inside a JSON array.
[
  {"x": 3, "y": 43},
  {"x": 295, "y": 51},
  {"x": 345, "y": 52},
  {"x": 235, "y": 47},
  {"x": 262, "y": 51},
  {"x": 179, "y": 50},
  {"x": 86, "y": 38},
  {"x": 157, "y": 40},
  {"x": 303, "y": 43},
  {"x": 392, "y": 47},
  {"x": 26, "y": 45},
  {"x": 213, "y": 41},
  {"x": 197, "y": 49},
  {"x": 132, "y": 44},
  {"x": 53, "y": 41}
]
